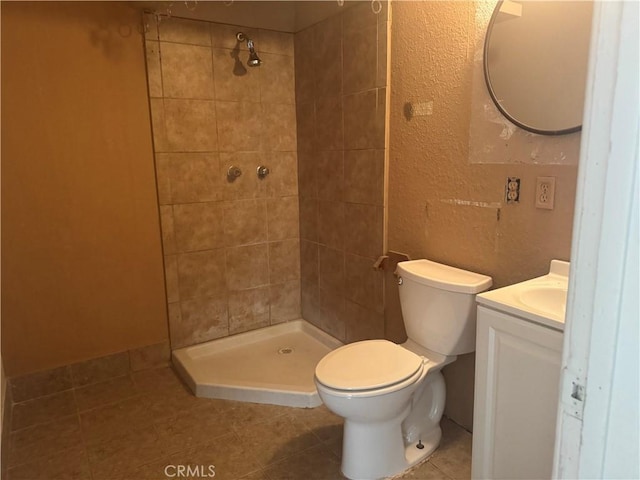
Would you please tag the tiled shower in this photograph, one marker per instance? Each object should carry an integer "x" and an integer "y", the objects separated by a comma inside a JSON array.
[{"x": 251, "y": 252}]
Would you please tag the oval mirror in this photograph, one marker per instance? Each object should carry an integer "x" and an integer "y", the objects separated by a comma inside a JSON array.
[{"x": 535, "y": 63}]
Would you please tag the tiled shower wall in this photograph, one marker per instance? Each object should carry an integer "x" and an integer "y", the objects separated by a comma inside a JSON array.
[
  {"x": 341, "y": 95},
  {"x": 231, "y": 249}
]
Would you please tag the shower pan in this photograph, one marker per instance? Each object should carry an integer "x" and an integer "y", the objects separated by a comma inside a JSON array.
[{"x": 273, "y": 365}]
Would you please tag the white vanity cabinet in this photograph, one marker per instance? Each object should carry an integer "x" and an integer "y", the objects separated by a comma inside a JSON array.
[{"x": 516, "y": 396}]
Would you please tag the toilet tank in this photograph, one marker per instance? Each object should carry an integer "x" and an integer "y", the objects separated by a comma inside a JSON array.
[{"x": 438, "y": 305}]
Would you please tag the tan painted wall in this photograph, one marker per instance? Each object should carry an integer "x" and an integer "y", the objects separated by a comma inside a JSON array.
[
  {"x": 429, "y": 172},
  {"x": 82, "y": 269}
]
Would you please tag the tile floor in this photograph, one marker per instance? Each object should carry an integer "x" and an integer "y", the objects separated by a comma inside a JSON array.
[{"x": 132, "y": 427}]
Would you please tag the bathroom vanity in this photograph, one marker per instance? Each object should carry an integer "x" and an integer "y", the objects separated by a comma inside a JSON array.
[{"x": 518, "y": 358}]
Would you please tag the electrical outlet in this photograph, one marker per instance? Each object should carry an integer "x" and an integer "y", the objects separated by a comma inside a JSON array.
[
  {"x": 512, "y": 190},
  {"x": 545, "y": 192}
]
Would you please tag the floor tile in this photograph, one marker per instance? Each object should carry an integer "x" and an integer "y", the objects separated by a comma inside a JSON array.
[
  {"x": 277, "y": 438},
  {"x": 315, "y": 463},
  {"x": 227, "y": 454},
  {"x": 193, "y": 427},
  {"x": 44, "y": 440},
  {"x": 124, "y": 454},
  {"x": 104, "y": 423},
  {"x": 453, "y": 456},
  {"x": 104, "y": 393},
  {"x": 68, "y": 465},
  {"x": 425, "y": 471},
  {"x": 43, "y": 409}
]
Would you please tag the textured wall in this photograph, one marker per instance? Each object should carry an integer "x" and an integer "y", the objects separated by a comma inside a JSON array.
[
  {"x": 442, "y": 206},
  {"x": 341, "y": 95},
  {"x": 231, "y": 248},
  {"x": 81, "y": 257}
]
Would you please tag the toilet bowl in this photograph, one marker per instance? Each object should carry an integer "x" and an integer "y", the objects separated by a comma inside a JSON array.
[{"x": 392, "y": 396}]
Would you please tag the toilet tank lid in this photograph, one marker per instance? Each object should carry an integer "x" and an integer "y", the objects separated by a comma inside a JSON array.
[{"x": 444, "y": 277}]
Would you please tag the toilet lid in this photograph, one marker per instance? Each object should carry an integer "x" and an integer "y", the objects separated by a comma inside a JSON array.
[{"x": 367, "y": 365}]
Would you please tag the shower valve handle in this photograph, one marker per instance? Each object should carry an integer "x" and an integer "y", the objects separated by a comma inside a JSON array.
[
  {"x": 233, "y": 173},
  {"x": 262, "y": 171}
]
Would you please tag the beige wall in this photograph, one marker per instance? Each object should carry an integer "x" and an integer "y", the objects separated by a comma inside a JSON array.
[
  {"x": 341, "y": 94},
  {"x": 434, "y": 190},
  {"x": 81, "y": 258},
  {"x": 231, "y": 248}
]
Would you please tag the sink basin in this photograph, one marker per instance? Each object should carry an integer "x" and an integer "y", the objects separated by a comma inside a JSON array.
[
  {"x": 542, "y": 300},
  {"x": 549, "y": 299}
]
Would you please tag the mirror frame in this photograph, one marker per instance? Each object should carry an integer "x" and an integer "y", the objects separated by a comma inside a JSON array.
[{"x": 485, "y": 67}]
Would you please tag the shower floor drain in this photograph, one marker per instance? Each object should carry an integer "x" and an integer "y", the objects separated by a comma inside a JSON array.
[{"x": 285, "y": 350}]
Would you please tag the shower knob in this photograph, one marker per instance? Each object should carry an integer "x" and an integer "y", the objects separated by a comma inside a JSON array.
[
  {"x": 233, "y": 173},
  {"x": 262, "y": 171}
]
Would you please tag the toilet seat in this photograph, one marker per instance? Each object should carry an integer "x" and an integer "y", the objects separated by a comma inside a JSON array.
[{"x": 367, "y": 365}]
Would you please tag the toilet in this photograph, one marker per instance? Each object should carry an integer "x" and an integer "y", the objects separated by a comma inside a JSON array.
[{"x": 392, "y": 396}]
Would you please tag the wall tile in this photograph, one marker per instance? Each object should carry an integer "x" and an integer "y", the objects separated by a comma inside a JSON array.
[
  {"x": 277, "y": 84},
  {"x": 306, "y": 126},
  {"x": 284, "y": 261},
  {"x": 150, "y": 356},
  {"x": 163, "y": 178},
  {"x": 198, "y": 226},
  {"x": 331, "y": 224},
  {"x": 171, "y": 278},
  {"x": 247, "y": 267},
  {"x": 283, "y": 176},
  {"x": 329, "y": 130},
  {"x": 363, "y": 284},
  {"x": 309, "y": 219},
  {"x": 246, "y": 185},
  {"x": 285, "y": 301},
  {"x": 173, "y": 29},
  {"x": 310, "y": 303},
  {"x": 201, "y": 273},
  {"x": 239, "y": 126},
  {"x": 362, "y": 323},
  {"x": 282, "y": 218},
  {"x": 364, "y": 120},
  {"x": 366, "y": 228},
  {"x": 202, "y": 319},
  {"x": 305, "y": 80},
  {"x": 331, "y": 269},
  {"x": 100, "y": 369},
  {"x": 233, "y": 80},
  {"x": 41, "y": 383},
  {"x": 175, "y": 326},
  {"x": 309, "y": 252},
  {"x": 381, "y": 75},
  {"x": 279, "y": 127},
  {"x": 332, "y": 313},
  {"x": 190, "y": 125},
  {"x": 154, "y": 72},
  {"x": 330, "y": 175},
  {"x": 360, "y": 59},
  {"x": 276, "y": 42},
  {"x": 187, "y": 71},
  {"x": 158, "y": 124},
  {"x": 245, "y": 222},
  {"x": 307, "y": 173},
  {"x": 168, "y": 230},
  {"x": 327, "y": 56},
  {"x": 364, "y": 176},
  {"x": 248, "y": 309},
  {"x": 361, "y": 16},
  {"x": 194, "y": 177},
  {"x": 224, "y": 36},
  {"x": 150, "y": 26}
]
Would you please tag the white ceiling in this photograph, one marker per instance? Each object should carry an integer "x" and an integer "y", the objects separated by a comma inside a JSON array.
[{"x": 283, "y": 16}]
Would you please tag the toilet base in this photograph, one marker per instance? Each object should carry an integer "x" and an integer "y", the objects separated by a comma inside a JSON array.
[{"x": 384, "y": 458}]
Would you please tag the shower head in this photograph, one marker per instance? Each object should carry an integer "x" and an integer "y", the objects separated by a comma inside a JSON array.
[{"x": 254, "y": 59}]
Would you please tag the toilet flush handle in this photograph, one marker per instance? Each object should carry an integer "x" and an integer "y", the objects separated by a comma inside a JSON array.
[{"x": 400, "y": 281}]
